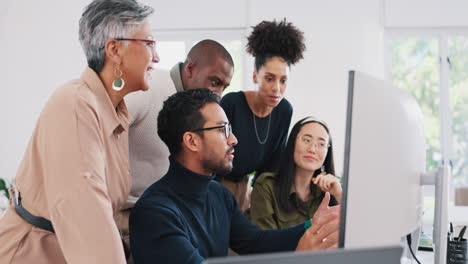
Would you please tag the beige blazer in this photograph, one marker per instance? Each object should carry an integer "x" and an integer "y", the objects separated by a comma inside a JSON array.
[{"x": 75, "y": 172}]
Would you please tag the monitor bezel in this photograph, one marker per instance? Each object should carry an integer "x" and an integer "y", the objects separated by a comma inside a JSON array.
[{"x": 347, "y": 151}]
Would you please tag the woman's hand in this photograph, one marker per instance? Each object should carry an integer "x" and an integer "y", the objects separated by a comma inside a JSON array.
[{"x": 329, "y": 183}]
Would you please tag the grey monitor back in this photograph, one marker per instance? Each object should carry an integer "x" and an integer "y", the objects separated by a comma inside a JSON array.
[
  {"x": 385, "y": 155},
  {"x": 381, "y": 255}
]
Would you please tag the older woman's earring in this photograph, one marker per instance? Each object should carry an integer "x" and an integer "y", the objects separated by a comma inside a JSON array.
[
  {"x": 322, "y": 169},
  {"x": 118, "y": 82}
]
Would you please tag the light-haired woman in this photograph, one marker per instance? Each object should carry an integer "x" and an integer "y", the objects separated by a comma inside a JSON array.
[{"x": 75, "y": 173}]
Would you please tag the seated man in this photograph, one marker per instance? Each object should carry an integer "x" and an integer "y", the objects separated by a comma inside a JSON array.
[{"x": 187, "y": 216}]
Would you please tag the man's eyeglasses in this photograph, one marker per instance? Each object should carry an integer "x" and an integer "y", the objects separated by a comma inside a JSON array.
[
  {"x": 227, "y": 129},
  {"x": 151, "y": 43}
]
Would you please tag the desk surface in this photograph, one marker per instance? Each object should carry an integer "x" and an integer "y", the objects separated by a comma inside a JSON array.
[
  {"x": 458, "y": 215},
  {"x": 425, "y": 257}
]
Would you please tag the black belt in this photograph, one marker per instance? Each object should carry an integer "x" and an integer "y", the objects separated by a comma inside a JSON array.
[
  {"x": 45, "y": 224},
  {"x": 36, "y": 221}
]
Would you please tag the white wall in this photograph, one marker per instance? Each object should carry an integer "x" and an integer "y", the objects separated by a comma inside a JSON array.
[
  {"x": 4, "y": 126},
  {"x": 425, "y": 13},
  {"x": 39, "y": 51},
  {"x": 184, "y": 14},
  {"x": 42, "y": 51},
  {"x": 3, "y": 65}
]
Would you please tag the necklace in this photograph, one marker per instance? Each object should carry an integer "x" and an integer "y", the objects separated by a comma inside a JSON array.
[{"x": 256, "y": 132}]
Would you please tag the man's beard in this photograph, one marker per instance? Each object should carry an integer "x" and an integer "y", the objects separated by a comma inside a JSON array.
[{"x": 217, "y": 167}]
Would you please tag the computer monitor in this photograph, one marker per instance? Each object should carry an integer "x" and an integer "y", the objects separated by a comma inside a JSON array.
[
  {"x": 382, "y": 255},
  {"x": 384, "y": 159}
]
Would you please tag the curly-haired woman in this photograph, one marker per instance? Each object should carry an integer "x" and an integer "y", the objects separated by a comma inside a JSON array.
[{"x": 260, "y": 119}]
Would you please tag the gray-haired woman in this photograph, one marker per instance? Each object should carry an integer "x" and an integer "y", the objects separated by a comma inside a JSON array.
[{"x": 75, "y": 173}]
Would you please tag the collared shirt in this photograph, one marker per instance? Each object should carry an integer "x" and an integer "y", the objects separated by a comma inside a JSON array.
[
  {"x": 176, "y": 76},
  {"x": 75, "y": 172},
  {"x": 266, "y": 212}
]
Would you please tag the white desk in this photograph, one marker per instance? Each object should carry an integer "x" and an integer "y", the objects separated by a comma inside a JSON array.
[{"x": 458, "y": 215}]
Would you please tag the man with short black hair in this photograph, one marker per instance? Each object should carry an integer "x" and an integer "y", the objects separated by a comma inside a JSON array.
[{"x": 186, "y": 216}]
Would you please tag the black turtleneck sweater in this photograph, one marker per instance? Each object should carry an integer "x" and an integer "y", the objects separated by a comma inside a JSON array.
[{"x": 186, "y": 217}]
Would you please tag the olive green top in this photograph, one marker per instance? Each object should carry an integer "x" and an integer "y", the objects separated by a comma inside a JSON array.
[{"x": 266, "y": 213}]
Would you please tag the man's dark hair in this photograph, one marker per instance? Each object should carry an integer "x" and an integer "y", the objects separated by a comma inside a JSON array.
[
  {"x": 205, "y": 51},
  {"x": 180, "y": 114}
]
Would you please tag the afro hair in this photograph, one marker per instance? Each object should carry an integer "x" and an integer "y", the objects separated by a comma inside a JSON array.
[{"x": 271, "y": 38}]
